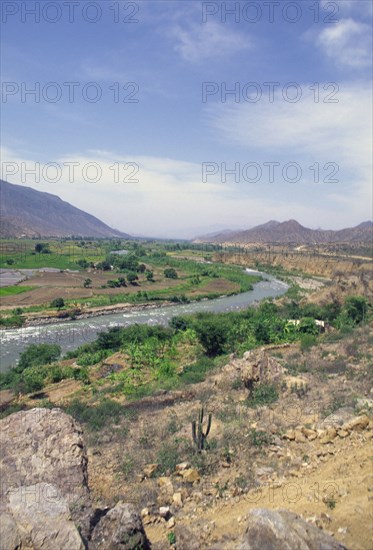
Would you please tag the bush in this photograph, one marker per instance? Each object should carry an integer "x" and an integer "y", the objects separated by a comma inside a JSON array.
[
  {"x": 96, "y": 417},
  {"x": 58, "y": 303},
  {"x": 263, "y": 394},
  {"x": 32, "y": 380},
  {"x": 179, "y": 323},
  {"x": 307, "y": 341},
  {"x": 58, "y": 373},
  {"x": 170, "y": 273},
  {"x": 212, "y": 334},
  {"x": 88, "y": 359},
  {"x": 38, "y": 354},
  {"x": 259, "y": 438},
  {"x": 168, "y": 457}
]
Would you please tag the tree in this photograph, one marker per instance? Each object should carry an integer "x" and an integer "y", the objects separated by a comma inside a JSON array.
[
  {"x": 355, "y": 309},
  {"x": 42, "y": 248},
  {"x": 105, "y": 265},
  {"x": 87, "y": 283},
  {"x": 33, "y": 380},
  {"x": 132, "y": 278},
  {"x": 212, "y": 334},
  {"x": 36, "y": 355},
  {"x": 58, "y": 303},
  {"x": 122, "y": 281},
  {"x": 170, "y": 273},
  {"x": 149, "y": 276}
]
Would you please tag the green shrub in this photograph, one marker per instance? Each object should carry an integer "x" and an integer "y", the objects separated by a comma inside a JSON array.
[
  {"x": 263, "y": 394},
  {"x": 168, "y": 457},
  {"x": 259, "y": 438},
  {"x": 307, "y": 341},
  {"x": 38, "y": 354},
  {"x": 96, "y": 417}
]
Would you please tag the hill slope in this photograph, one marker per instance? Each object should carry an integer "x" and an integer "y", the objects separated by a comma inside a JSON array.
[
  {"x": 26, "y": 212},
  {"x": 293, "y": 232}
]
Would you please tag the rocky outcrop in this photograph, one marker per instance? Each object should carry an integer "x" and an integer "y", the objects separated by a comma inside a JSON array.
[
  {"x": 260, "y": 368},
  {"x": 45, "y": 501},
  {"x": 274, "y": 529},
  {"x": 38, "y": 516},
  {"x": 46, "y": 446},
  {"x": 256, "y": 367},
  {"x": 120, "y": 529}
]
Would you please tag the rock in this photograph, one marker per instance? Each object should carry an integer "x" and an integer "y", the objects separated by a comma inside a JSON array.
[
  {"x": 171, "y": 523},
  {"x": 145, "y": 512},
  {"x": 191, "y": 475},
  {"x": 177, "y": 499},
  {"x": 338, "y": 418},
  {"x": 299, "y": 436},
  {"x": 182, "y": 466},
  {"x": 120, "y": 529},
  {"x": 164, "y": 511},
  {"x": 46, "y": 446},
  {"x": 150, "y": 469},
  {"x": 10, "y": 537},
  {"x": 356, "y": 424},
  {"x": 290, "y": 435},
  {"x": 281, "y": 529},
  {"x": 165, "y": 484},
  {"x": 329, "y": 435},
  {"x": 343, "y": 433},
  {"x": 257, "y": 367},
  {"x": 40, "y": 518},
  {"x": 309, "y": 434},
  {"x": 264, "y": 471}
]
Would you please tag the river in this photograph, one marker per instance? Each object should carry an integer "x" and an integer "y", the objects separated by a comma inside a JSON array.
[{"x": 71, "y": 334}]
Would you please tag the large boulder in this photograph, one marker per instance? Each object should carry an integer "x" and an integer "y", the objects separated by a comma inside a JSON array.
[
  {"x": 120, "y": 529},
  {"x": 258, "y": 367},
  {"x": 255, "y": 367},
  {"x": 281, "y": 529},
  {"x": 45, "y": 446},
  {"x": 37, "y": 516}
]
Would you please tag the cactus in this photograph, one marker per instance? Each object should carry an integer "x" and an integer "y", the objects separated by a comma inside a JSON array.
[{"x": 199, "y": 437}]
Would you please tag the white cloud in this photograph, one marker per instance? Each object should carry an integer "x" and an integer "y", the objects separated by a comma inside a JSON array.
[
  {"x": 308, "y": 132},
  {"x": 170, "y": 199},
  {"x": 348, "y": 43},
  {"x": 357, "y": 7},
  {"x": 210, "y": 40}
]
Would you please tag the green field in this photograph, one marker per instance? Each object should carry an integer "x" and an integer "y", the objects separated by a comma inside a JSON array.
[
  {"x": 12, "y": 290},
  {"x": 21, "y": 254}
]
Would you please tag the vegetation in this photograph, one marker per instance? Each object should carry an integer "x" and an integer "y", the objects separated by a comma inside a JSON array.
[
  {"x": 13, "y": 290},
  {"x": 199, "y": 436}
]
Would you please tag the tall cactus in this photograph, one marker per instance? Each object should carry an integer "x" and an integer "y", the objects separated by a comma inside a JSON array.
[{"x": 199, "y": 437}]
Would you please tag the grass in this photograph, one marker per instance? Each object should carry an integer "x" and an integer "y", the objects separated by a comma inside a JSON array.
[
  {"x": 264, "y": 394},
  {"x": 96, "y": 417},
  {"x": 63, "y": 255},
  {"x": 13, "y": 290}
]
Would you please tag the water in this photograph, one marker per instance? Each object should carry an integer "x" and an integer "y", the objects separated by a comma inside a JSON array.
[{"x": 71, "y": 334}]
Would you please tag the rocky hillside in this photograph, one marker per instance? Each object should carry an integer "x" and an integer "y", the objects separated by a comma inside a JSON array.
[
  {"x": 286, "y": 468},
  {"x": 26, "y": 212},
  {"x": 292, "y": 232}
]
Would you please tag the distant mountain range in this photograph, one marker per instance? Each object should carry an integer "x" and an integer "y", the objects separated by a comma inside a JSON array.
[
  {"x": 26, "y": 212},
  {"x": 291, "y": 231}
]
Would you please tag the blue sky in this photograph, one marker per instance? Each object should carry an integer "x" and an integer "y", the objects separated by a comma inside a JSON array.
[{"x": 150, "y": 153}]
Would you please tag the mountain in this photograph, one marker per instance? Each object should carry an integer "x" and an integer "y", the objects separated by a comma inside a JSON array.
[
  {"x": 26, "y": 212},
  {"x": 292, "y": 231}
]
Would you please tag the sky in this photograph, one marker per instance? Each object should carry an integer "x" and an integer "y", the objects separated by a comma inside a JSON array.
[{"x": 178, "y": 118}]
